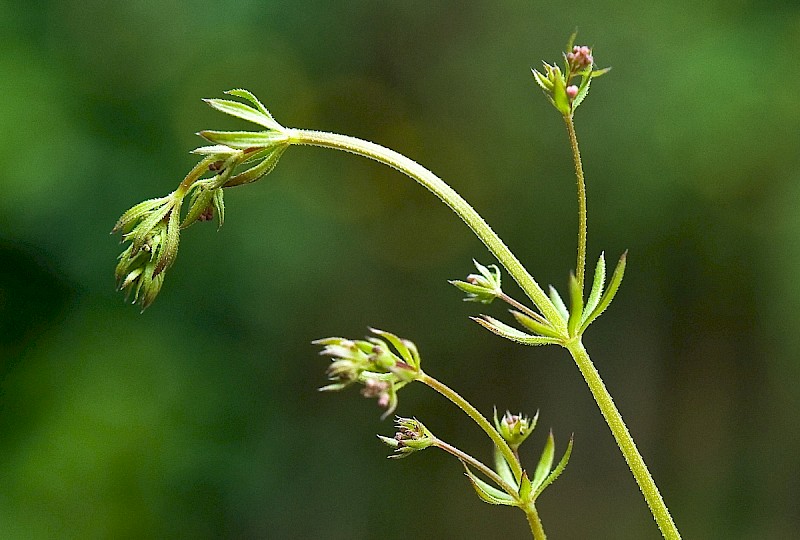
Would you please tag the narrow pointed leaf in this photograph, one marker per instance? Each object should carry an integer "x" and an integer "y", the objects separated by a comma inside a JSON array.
[
  {"x": 608, "y": 296},
  {"x": 216, "y": 150},
  {"x": 502, "y": 468},
  {"x": 245, "y": 112},
  {"x": 132, "y": 215},
  {"x": 169, "y": 250},
  {"x": 559, "y": 303},
  {"x": 534, "y": 325},
  {"x": 491, "y": 272},
  {"x": 468, "y": 288},
  {"x": 508, "y": 332},
  {"x": 541, "y": 81},
  {"x": 245, "y": 94},
  {"x": 557, "y": 471},
  {"x": 398, "y": 344},
  {"x": 583, "y": 91},
  {"x": 597, "y": 287},
  {"x": 545, "y": 462},
  {"x": 254, "y": 173},
  {"x": 525, "y": 487},
  {"x": 244, "y": 139},
  {"x": 571, "y": 40},
  {"x": 486, "y": 492},
  {"x": 599, "y": 72},
  {"x": 576, "y": 305},
  {"x": 219, "y": 206},
  {"x": 560, "y": 94},
  {"x": 201, "y": 198}
]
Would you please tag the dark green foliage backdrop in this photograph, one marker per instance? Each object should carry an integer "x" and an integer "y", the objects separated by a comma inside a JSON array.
[{"x": 200, "y": 419}]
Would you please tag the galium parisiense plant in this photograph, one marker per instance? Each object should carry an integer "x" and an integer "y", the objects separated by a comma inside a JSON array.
[{"x": 383, "y": 364}]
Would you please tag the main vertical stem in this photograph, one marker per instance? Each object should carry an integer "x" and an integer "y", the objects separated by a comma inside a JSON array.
[
  {"x": 576, "y": 157},
  {"x": 535, "y": 523},
  {"x": 624, "y": 441}
]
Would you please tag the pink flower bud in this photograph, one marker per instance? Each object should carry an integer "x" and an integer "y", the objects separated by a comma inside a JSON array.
[
  {"x": 580, "y": 58},
  {"x": 572, "y": 91}
]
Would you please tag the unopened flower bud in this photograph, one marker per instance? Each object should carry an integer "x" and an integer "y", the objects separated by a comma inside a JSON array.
[
  {"x": 411, "y": 437},
  {"x": 515, "y": 428},
  {"x": 580, "y": 58},
  {"x": 483, "y": 287},
  {"x": 572, "y": 91},
  {"x": 374, "y": 388},
  {"x": 153, "y": 228}
]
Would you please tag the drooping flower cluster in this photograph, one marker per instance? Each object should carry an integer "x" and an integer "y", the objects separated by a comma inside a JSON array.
[
  {"x": 382, "y": 364},
  {"x": 153, "y": 226}
]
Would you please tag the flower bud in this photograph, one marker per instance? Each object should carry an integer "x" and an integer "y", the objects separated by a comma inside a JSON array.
[
  {"x": 580, "y": 58},
  {"x": 412, "y": 436},
  {"x": 374, "y": 388},
  {"x": 572, "y": 92},
  {"x": 483, "y": 287},
  {"x": 153, "y": 229},
  {"x": 515, "y": 428}
]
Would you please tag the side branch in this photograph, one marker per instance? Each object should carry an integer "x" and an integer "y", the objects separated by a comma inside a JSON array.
[{"x": 448, "y": 196}]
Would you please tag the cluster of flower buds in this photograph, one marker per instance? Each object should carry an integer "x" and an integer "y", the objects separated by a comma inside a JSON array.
[
  {"x": 483, "y": 287},
  {"x": 580, "y": 58},
  {"x": 412, "y": 436},
  {"x": 557, "y": 84},
  {"x": 153, "y": 227},
  {"x": 383, "y": 364},
  {"x": 515, "y": 428}
]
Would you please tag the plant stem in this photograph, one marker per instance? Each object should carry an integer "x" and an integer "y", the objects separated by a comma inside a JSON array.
[
  {"x": 576, "y": 157},
  {"x": 479, "y": 419},
  {"x": 524, "y": 309},
  {"x": 624, "y": 440},
  {"x": 452, "y": 199},
  {"x": 489, "y": 473},
  {"x": 448, "y": 196},
  {"x": 196, "y": 172},
  {"x": 535, "y": 523}
]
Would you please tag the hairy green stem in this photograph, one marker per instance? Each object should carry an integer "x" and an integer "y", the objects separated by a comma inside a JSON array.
[
  {"x": 478, "y": 418},
  {"x": 477, "y": 465},
  {"x": 624, "y": 440},
  {"x": 576, "y": 157},
  {"x": 452, "y": 199},
  {"x": 193, "y": 175},
  {"x": 447, "y": 195},
  {"x": 524, "y": 309},
  {"x": 535, "y": 523}
]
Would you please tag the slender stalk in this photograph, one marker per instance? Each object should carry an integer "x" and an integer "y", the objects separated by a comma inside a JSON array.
[
  {"x": 463, "y": 456},
  {"x": 478, "y": 418},
  {"x": 196, "y": 172},
  {"x": 576, "y": 157},
  {"x": 535, "y": 523},
  {"x": 624, "y": 441},
  {"x": 524, "y": 309},
  {"x": 448, "y": 196}
]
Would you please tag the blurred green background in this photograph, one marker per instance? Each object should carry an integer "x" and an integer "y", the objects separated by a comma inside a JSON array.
[{"x": 200, "y": 418}]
